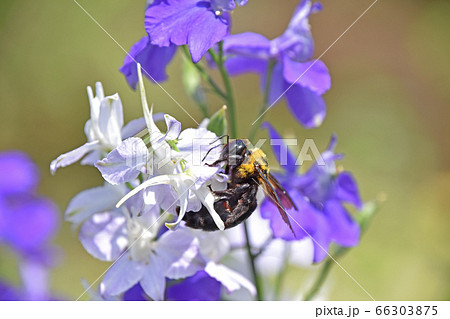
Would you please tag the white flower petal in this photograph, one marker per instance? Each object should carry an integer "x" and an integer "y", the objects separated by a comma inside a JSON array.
[
  {"x": 122, "y": 275},
  {"x": 158, "y": 180},
  {"x": 207, "y": 199},
  {"x": 231, "y": 280},
  {"x": 125, "y": 162},
  {"x": 180, "y": 251},
  {"x": 72, "y": 156},
  {"x": 104, "y": 235},
  {"x": 110, "y": 120},
  {"x": 173, "y": 127},
  {"x": 91, "y": 201},
  {"x": 153, "y": 281},
  {"x": 183, "y": 205}
]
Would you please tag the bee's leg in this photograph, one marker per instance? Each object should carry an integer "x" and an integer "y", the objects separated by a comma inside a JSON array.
[{"x": 245, "y": 206}]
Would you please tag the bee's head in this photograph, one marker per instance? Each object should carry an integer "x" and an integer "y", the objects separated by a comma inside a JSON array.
[{"x": 237, "y": 147}]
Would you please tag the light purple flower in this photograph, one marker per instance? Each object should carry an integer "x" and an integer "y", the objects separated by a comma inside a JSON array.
[
  {"x": 294, "y": 75},
  {"x": 319, "y": 195}
]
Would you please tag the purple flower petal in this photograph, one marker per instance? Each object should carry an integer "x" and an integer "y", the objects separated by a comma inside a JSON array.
[
  {"x": 284, "y": 156},
  {"x": 181, "y": 22},
  {"x": 104, "y": 235},
  {"x": 344, "y": 230},
  {"x": 312, "y": 75},
  {"x": 206, "y": 32},
  {"x": 18, "y": 173},
  {"x": 347, "y": 189},
  {"x": 200, "y": 287},
  {"x": 297, "y": 42},
  {"x": 135, "y": 293},
  {"x": 125, "y": 162},
  {"x": 238, "y": 65},
  {"x": 153, "y": 59},
  {"x": 306, "y": 221},
  {"x": 277, "y": 84},
  {"x": 247, "y": 44},
  {"x": 308, "y": 107}
]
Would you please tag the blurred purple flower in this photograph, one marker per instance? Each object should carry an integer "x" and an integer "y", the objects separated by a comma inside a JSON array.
[
  {"x": 27, "y": 223},
  {"x": 319, "y": 195},
  {"x": 294, "y": 74}
]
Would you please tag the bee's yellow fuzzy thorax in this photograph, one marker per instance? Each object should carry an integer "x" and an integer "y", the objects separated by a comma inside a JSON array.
[{"x": 248, "y": 166}]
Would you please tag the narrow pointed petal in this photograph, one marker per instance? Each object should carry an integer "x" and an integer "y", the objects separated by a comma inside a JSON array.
[
  {"x": 72, "y": 156},
  {"x": 173, "y": 127},
  {"x": 158, "y": 180},
  {"x": 230, "y": 279},
  {"x": 183, "y": 205},
  {"x": 207, "y": 199}
]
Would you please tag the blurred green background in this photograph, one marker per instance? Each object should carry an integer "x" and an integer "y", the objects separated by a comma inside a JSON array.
[{"x": 389, "y": 105}]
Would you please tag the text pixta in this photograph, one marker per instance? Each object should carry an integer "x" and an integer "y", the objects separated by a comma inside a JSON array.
[{"x": 336, "y": 311}]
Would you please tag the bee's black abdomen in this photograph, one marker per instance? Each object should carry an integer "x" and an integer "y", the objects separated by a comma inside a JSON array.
[{"x": 233, "y": 205}]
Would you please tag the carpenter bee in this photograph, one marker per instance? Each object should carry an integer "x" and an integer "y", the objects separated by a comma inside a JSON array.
[{"x": 247, "y": 170}]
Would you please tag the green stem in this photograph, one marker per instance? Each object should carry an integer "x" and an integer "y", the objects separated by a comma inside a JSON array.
[
  {"x": 320, "y": 280},
  {"x": 231, "y": 107},
  {"x": 205, "y": 76},
  {"x": 256, "y": 277},
  {"x": 265, "y": 102}
]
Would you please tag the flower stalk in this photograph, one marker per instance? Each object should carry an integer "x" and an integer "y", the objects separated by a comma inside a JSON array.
[{"x": 218, "y": 59}]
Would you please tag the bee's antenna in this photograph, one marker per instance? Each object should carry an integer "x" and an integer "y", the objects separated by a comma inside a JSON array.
[
  {"x": 220, "y": 137},
  {"x": 207, "y": 153}
]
